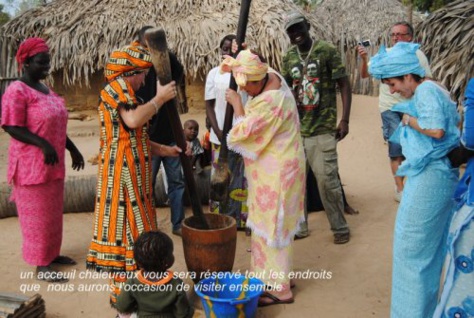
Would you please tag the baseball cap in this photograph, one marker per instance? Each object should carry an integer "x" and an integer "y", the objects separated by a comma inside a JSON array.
[{"x": 292, "y": 18}]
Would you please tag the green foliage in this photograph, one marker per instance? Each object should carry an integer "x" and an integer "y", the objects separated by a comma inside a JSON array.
[
  {"x": 307, "y": 4},
  {"x": 427, "y": 5},
  {"x": 4, "y": 17},
  {"x": 439, "y": 4},
  {"x": 28, "y": 4},
  {"x": 20, "y": 6}
]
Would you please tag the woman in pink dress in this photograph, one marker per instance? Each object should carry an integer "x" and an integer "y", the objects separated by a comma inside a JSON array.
[{"x": 36, "y": 119}]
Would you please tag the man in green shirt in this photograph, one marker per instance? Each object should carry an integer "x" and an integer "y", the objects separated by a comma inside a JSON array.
[{"x": 312, "y": 69}]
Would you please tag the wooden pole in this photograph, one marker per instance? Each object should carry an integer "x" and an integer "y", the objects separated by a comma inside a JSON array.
[
  {"x": 156, "y": 39},
  {"x": 221, "y": 179}
]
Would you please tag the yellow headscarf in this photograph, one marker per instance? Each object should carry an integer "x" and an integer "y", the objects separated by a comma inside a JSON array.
[{"x": 245, "y": 67}]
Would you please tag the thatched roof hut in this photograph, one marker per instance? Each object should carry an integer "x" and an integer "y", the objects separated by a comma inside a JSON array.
[
  {"x": 82, "y": 34},
  {"x": 448, "y": 40},
  {"x": 353, "y": 20}
]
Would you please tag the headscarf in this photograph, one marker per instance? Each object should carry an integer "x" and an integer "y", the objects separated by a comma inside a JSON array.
[
  {"x": 400, "y": 60},
  {"x": 28, "y": 48},
  {"x": 127, "y": 61},
  {"x": 245, "y": 67}
]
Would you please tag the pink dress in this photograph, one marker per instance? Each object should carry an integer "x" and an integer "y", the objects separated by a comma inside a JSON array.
[{"x": 37, "y": 187}]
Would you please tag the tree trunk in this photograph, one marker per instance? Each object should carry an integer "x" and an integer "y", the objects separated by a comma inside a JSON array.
[{"x": 79, "y": 196}]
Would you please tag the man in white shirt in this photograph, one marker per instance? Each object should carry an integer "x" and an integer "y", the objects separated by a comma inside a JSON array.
[
  {"x": 400, "y": 32},
  {"x": 214, "y": 94}
]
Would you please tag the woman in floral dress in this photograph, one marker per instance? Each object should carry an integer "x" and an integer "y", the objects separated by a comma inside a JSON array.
[{"x": 267, "y": 135}]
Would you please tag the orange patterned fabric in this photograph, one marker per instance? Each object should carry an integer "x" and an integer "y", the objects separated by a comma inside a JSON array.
[
  {"x": 127, "y": 61},
  {"x": 116, "y": 284},
  {"x": 124, "y": 207}
]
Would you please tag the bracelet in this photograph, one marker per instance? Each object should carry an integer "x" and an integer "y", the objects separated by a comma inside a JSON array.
[{"x": 155, "y": 105}]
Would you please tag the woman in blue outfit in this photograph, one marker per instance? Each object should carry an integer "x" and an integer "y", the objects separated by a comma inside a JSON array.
[
  {"x": 428, "y": 132},
  {"x": 457, "y": 298}
]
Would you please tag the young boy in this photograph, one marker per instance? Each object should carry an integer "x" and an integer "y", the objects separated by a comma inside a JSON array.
[
  {"x": 154, "y": 290},
  {"x": 191, "y": 131}
]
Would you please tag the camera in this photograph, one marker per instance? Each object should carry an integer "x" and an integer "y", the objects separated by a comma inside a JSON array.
[{"x": 364, "y": 43}]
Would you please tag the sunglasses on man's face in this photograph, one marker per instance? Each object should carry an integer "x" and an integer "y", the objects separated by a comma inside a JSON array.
[{"x": 397, "y": 35}]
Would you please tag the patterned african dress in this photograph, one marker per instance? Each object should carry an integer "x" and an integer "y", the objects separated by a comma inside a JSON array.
[
  {"x": 427, "y": 202},
  {"x": 38, "y": 188},
  {"x": 457, "y": 298},
  {"x": 268, "y": 137},
  {"x": 124, "y": 206}
]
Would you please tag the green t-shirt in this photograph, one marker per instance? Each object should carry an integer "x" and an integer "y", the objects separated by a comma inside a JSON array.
[
  {"x": 315, "y": 86},
  {"x": 154, "y": 300}
]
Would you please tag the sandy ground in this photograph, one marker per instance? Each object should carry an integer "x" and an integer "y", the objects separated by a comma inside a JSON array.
[{"x": 360, "y": 271}]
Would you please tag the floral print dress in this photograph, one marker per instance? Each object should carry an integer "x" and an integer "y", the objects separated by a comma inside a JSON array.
[{"x": 268, "y": 137}]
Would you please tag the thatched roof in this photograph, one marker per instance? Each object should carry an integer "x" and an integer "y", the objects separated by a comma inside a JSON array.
[
  {"x": 353, "y": 20},
  {"x": 448, "y": 40},
  {"x": 82, "y": 34}
]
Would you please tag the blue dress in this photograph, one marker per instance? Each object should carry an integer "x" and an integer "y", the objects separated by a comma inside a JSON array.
[
  {"x": 457, "y": 298},
  {"x": 427, "y": 202}
]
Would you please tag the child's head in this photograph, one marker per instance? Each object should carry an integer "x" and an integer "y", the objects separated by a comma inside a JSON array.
[
  {"x": 191, "y": 129},
  {"x": 153, "y": 251}
]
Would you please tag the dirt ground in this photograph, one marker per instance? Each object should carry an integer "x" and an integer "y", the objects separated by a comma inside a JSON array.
[{"x": 360, "y": 271}]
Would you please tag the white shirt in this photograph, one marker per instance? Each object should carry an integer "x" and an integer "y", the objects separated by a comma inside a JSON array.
[{"x": 216, "y": 85}]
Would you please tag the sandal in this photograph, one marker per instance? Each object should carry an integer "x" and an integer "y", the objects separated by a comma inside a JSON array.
[
  {"x": 64, "y": 260},
  {"x": 49, "y": 275},
  {"x": 341, "y": 238},
  {"x": 274, "y": 300}
]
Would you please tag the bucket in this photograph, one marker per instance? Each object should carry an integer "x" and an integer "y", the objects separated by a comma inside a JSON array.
[{"x": 229, "y": 295}]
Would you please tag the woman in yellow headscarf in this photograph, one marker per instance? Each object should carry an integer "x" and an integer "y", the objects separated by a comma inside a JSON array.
[
  {"x": 267, "y": 135},
  {"x": 124, "y": 207}
]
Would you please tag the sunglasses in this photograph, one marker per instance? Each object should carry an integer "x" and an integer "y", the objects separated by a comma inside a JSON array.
[{"x": 396, "y": 35}]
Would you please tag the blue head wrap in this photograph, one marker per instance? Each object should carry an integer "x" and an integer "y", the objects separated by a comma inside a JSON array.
[{"x": 400, "y": 60}]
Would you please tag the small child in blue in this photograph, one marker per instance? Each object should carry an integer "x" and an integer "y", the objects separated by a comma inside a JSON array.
[
  {"x": 191, "y": 131},
  {"x": 154, "y": 292}
]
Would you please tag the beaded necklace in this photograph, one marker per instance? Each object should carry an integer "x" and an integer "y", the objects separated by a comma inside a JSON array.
[{"x": 305, "y": 60}]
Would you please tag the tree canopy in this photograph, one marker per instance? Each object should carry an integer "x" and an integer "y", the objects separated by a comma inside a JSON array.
[
  {"x": 427, "y": 5},
  {"x": 20, "y": 6},
  {"x": 4, "y": 17}
]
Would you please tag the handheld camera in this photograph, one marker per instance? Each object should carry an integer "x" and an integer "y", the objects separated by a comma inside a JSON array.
[{"x": 364, "y": 43}]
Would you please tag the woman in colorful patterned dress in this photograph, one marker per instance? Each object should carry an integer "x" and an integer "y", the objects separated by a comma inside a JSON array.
[
  {"x": 428, "y": 133},
  {"x": 457, "y": 298},
  {"x": 124, "y": 206},
  {"x": 36, "y": 119},
  {"x": 267, "y": 135}
]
